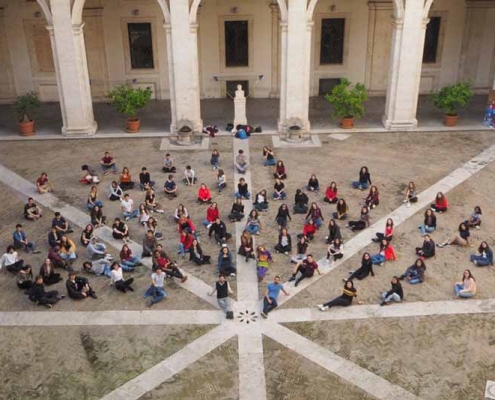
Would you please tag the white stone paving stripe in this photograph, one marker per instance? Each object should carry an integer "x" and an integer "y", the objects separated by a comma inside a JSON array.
[
  {"x": 48, "y": 200},
  {"x": 153, "y": 377},
  {"x": 399, "y": 215},
  {"x": 396, "y": 310},
  {"x": 113, "y": 318},
  {"x": 247, "y": 279},
  {"x": 252, "y": 383},
  {"x": 347, "y": 370}
]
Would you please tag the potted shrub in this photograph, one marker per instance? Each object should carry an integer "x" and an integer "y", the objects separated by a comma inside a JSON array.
[
  {"x": 26, "y": 107},
  {"x": 451, "y": 99},
  {"x": 127, "y": 101},
  {"x": 347, "y": 102}
]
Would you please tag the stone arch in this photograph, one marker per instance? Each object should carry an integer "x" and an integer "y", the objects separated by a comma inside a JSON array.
[
  {"x": 46, "y": 11},
  {"x": 193, "y": 13},
  {"x": 283, "y": 10},
  {"x": 398, "y": 8},
  {"x": 428, "y": 4},
  {"x": 311, "y": 10}
]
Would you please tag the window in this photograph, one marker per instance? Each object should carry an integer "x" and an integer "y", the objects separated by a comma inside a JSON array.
[
  {"x": 236, "y": 44},
  {"x": 431, "y": 40},
  {"x": 325, "y": 85},
  {"x": 232, "y": 87},
  {"x": 140, "y": 45},
  {"x": 332, "y": 41}
]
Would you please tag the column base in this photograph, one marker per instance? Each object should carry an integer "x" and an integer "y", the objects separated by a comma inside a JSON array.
[
  {"x": 84, "y": 131},
  {"x": 491, "y": 97},
  {"x": 274, "y": 95},
  {"x": 283, "y": 125},
  {"x": 392, "y": 125}
]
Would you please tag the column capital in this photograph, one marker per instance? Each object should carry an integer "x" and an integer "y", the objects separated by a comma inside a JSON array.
[
  {"x": 50, "y": 30},
  {"x": 193, "y": 28},
  {"x": 284, "y": 26},
  {"x": 309, "y": 25},
  {"x": 168, "y": 28},
  {"x": 424, "y": 23},
  {"x": 274, "y": 8},
  {"x": 398, "y": 23},
  {"x": 78, "y": 29}
]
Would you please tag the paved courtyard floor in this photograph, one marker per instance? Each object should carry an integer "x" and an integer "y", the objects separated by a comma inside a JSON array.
[{"x": 431, "y": 346}]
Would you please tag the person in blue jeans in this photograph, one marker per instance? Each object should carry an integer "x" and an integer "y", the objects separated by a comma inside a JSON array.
[
  {"x": 394, "y": 294},
  {"x": 253, "y": 224},
  {"x": 467, "y": 287},
  {"x": 21, "y": 241},
  {"x": 415, "y": 273},
  {"x": 215, "y": 155},
  {"x": 156, "y": 290},
  {"x": 364, "y": 179},
  {"x": 485, "y": 256},
  {"x": 270, "y": 299},
  {"x": 430, "y": 223},
  {"x": 269, "y": 156},
  {"x": 279, "y": 190}
]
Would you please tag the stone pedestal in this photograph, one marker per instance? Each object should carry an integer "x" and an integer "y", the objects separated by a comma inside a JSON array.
[
  {"x": 185, "y": 135},
  {"x": 240, "y": 107}
]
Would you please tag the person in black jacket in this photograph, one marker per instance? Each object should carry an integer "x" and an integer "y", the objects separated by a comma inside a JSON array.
[
  {"x": 333, "y": 232},
  {"x": 415, "y": 273},
  {"x": 237, "y": 212},
  {"x": 48, "y": 274},
  {"x": 220, "y": 230},
  {"x": 38, "y": 295},
  {"x": 284, "y": 244},
  {"x": 427, "y": 250},
  {"x": 364, "y": 179},
  {"x": 365, "y": 269},
  {"x": 282, "y": 215},
  {"x": 301, "y": 201},
  {"x": 196, "y": 254},
  {"x": 78, "y": 287},
  {"x": 394, "y": 294}
]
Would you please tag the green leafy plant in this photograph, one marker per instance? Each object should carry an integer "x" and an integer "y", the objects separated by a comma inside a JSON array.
[
  {"x": 26, "y": 106},
  {"x": 128, "y": 100},
  {"x": 347, "y": 100},
  {"x": 451, "y": 99}
]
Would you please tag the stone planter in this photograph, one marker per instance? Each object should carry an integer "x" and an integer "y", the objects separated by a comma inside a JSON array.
[
  {"x": 450, "y": 120},
  {"x": 26, "y": 128},
  {"x": 133, "y": 125},
  {"x": 185, "y": 136},
  {"x": 295, "y": 132}
]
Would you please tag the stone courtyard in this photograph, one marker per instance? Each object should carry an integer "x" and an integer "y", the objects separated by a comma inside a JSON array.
[{"x": 431, "y": 346}]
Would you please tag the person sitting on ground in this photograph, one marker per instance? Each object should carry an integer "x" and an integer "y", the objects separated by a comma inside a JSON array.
[
  {"x": 107, "y": 163},
  {"x": 87, "y": 234},
  {"x": 385, "y": 253},
  {"x": 189, "y": 176},
  {"x": 485, "y": 256},
  {"x": 263, "y": 261},
  {"x": 427, "y": 250},
  {"x": 21, "y": 241},
  {"x": 284, "y": 244},
  {"x": 411, "y": 196},
  {"x": 301, "y": 201},
  {"x": 125, "y": 181},
  {"x": 315, "y": 214},
  {"x": 373, "y": 198},
  {"x": 306, "y": 268},
  {"x": 280, "y": 171},
  {"x": 120, "y": 230},
  {"x": 342, "y": 210},
  {"x": 56, "y": 258},
  {"x": 212, "y": 213},
  {"x": 170, "y": 187},
  {"x": 61, "y": 224},
  {"x": 253, "y": 223},
  {"x": 47, "y": 271},
  {"x": 97, "y": 250},
  {"x": 10, "y": 260},
  {"x": 220, "y": 231},
  {"x": 78, "y": 287},
  {"x": 170, "y": 269},
  {"x": 196, "y": 254},
  {"x": 430, "y": 223},
  {"x": 89, "y": 175},
  {"x": 128, "y": 209},
  {"x": 282, "y": 215},
  {"x": 186, "y": 241},
  {"x": 331, "y": 194},
  {"x": 335, "y": 250},
  {"x": 143, "y": 214},
  {"x": 271, "y": 295},
  {"x": 221, "y": 180},
  {"x": 269, "y": 157},
  {"x": 54, "y": 237},
  {"x": 301, "y": 250},
  {"x": 150, "y": 202},
  {"x": 364, "y": 179},
  {"x": 117, "y": 279},
  {"x": 309, "y": 230},
  {"x": 168, "y": 164},
  {"x": 32, "y": 211},
  {"x": 179, "y": 212},
  {"x": 333, "y": 232},
  {"x": 394, "y": 294},
  {"x": 441, "y": 204},
  {"x": 67, "y": 250},
  {"x": 43, "y": 184},
  {"x": 127, "y": 260},
  {"x": 261, "y": 201},
  {"x": 116, "y": 192},
  {"x": 474, "y": 220},
  {"x": 313, "y": 184},
  {"x": 237, "y": 212},
  {"x": 241, "y": 163},
  {"x": 246, "y": 248},
  {"x": 156, "y": 291},
  {"x": 279, "y": 190},
  {"x": 388, "y": 234},
  {"x": 97, "y": 218},
  {"x": 415, "y": 273},
  {"x": 364, "y": 270},
  {"x": 461, "y": 238},
  {"x": 24, "y": 278},
  {"x": 98, "y": 267},
  {"x": 204, "y": 194},
  {"x": 242, "y": 190},
  {"x": 364, "y": 220},
  {"x": 215, "y": 159},
  {"x": 93, "y": 199},
  {"x": 38, "y": 295},
  {"x": 149, "y": 244},
  {"x": 467, "y": 287},
  {"x": 152, "y": 225},
  {"x": 186, "y": 225},
  {"x": 145, "y": 181},
  {"x": 344, "y": 300},
  {"x": 222, "y": 289},
  {"x": 159, "y": 250}
]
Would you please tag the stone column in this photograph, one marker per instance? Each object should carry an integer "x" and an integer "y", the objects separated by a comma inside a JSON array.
[
  {"x": 71, "y": 67},
  {"x": 170, "y": 59},
  {"x": 274, "y": 91},
  {"x": 239, "y": 107},
  {"x": 184, "y": 59},
  {"x": 406, "y": 61},
  {"x": 492, "y": 94},
  {"x": 283, "y": 75}
]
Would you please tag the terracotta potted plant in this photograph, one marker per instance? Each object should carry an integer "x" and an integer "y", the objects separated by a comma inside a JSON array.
[
  {"x": 451, "y": 99},
  {"x": 127, "y": 101},
  {"x": 347, "y": 101},
  {"x": 26, "y": 107}
]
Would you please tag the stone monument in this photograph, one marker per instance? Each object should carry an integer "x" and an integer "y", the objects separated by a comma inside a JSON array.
[{"x": 239, "y": 107}]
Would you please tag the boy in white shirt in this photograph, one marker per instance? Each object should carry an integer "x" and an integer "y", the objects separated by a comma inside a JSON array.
[{"x": 127, "y": 206}]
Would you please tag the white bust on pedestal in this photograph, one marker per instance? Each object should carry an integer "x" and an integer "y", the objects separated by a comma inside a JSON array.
[{"x": 239, "y": 107}]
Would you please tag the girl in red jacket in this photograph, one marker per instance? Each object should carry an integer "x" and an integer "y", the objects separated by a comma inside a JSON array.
[
  {"x": 186, "y": 225},
  {"x": 204, "y": 195},
  {"x": 386, "y": 253},
  {"x": 212, "y": 214},
  {"x": 309, "y": 230},
  {"x": 186, "y": 241},
  {"x": 388, "y": 234},
  {"x": 331, "y": 194},
  {"x": 441, "y": 203}
]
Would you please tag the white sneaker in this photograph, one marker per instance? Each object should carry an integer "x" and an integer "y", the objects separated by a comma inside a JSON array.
[
  {"x": 478, "y": 227},
  {"x": 322, "y": 307},
  {"x": 408, "y": 205},
  {"x": 127, "y": 218}
]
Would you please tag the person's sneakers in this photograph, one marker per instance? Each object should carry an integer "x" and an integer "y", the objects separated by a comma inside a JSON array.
[
  {"x": 286, "y": 253},
  {"x": 475, "y": 262},
  {"x": 344, "y": 280},
  {"x": 383, "y": 303},
  {"x": 48, "y": 305},
  {"x": 232, "y": 275},
  {"x": 247, "y": 259},
  {"x": 297, "y": 282},
  {"x": 381, "y": 264},
  {"x": 127, "y": 218},
  {"x": 105, "y": 173},
  {"x": 183, "y": 279},
  {"x": 130, "y": 288},
  {"x": 351, "y": 271},
  {"x": 408, "y": 205},
  {"x": 322, "y": 307},
  {"x": 93, "y": 295},
  {"x": 292, "y": 278},
  {"x": 477, "y": 227},
  {"x": 263, "y": 315}
]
